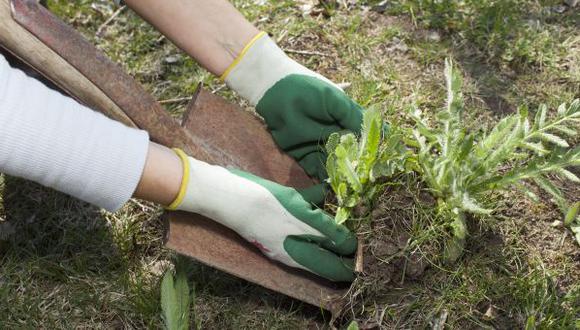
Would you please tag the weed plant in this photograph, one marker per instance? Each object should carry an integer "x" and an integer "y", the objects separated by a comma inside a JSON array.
[{"x": 460, "y": 168}]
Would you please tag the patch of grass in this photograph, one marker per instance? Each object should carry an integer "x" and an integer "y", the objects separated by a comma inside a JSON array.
[
  {"x": 517, "y": 32},
  {"x": 483, "y": 294},
  {"x": 63, "y": 266}
]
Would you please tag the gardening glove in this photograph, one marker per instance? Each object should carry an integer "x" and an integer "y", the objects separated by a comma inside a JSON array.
[
  {"x": 275, "y": 218},
  {"x": 301, "y": 108}
]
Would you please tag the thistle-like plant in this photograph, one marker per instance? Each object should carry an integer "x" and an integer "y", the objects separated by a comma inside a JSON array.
[{"x": 461, "y": 168}]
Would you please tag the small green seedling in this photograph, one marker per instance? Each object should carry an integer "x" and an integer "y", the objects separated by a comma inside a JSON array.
[
  {"x": 176, "y": 300},
  {"x": 353, "y": 325},
  {"x": 573, "y": 221},
  {"x": 355, "y": 164}
]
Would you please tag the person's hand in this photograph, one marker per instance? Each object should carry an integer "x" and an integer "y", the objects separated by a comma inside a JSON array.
[
  {"x": 301, "y": 108},
  {"x": 275, "y": 218}
]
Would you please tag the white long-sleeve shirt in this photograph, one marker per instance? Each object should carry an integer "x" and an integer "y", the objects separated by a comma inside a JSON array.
[{"x": 53, "y": 140}]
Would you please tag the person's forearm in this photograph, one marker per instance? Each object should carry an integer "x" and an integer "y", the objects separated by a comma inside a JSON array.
[
  {"x": 49, "y": 138},
  {"x": 213, "y": 32}
]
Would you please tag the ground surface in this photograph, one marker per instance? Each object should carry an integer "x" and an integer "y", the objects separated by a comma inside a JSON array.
[{"x": 65, "y": 264}]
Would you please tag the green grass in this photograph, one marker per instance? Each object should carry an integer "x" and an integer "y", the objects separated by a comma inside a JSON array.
[{"x": 69, "y": 265}]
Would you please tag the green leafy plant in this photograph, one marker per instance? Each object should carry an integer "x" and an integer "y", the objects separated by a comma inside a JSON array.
[
  {"x": 176, "y": 299},
  {"x": 354, "y": 165},
  {"x": 462, "y": 168}
]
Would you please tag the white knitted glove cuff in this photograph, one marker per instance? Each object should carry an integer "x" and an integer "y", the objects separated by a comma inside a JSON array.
[{"x": 260, "y": 66}]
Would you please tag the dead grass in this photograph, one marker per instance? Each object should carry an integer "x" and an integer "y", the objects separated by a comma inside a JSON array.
[{"x": 68, "y": 265}]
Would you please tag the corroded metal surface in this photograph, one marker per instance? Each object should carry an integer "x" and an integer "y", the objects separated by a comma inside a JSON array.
[
  {"x": 214, "y": 245},
  {"x": 214, "y": 131}
]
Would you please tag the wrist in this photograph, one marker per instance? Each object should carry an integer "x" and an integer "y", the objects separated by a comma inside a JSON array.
[
  {"x": 200, "y": 183},
  {"x": 162, "y": 176},
  {"x": 241, "y": 53},
  {"x": 212, "y": 32}
]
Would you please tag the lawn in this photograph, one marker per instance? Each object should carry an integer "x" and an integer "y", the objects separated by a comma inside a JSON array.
[{"x": 65, "y": 264}]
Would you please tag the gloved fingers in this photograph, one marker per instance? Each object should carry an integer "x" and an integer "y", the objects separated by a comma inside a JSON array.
[
  {"x": 339, "y": 238},
  {"x": 315, "y": 194},
  {"x": 318, "y": 260},
  {"x": 335, "y": 237},
  {"x": 314, "y": 164},
  {"x": 345, "y": 246},
  {"x": 346, "y": 112}
]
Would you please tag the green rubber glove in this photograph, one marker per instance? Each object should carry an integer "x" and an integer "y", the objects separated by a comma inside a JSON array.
[
  {"x": 301, "y": 108},
  {"x": 275, "y": 218}
]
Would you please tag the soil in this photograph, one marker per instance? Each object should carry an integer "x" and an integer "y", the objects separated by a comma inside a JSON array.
[{"x": 396, "y": 267}]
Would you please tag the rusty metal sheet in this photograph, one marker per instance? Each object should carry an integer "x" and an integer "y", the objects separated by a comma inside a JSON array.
[
  {"x": 214, "y": 245},
  {"x": 214, "y": 131}
]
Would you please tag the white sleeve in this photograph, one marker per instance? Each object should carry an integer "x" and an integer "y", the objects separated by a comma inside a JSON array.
[{"x": 49, "y": 138}]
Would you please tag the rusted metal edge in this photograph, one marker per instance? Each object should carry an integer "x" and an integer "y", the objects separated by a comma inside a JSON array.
[
  {"x": 147, "y": 114},
  {"x": 18, "y": 41},
  {"x": 190, "y": 106},
  {"x": 218, "y": 247}
]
